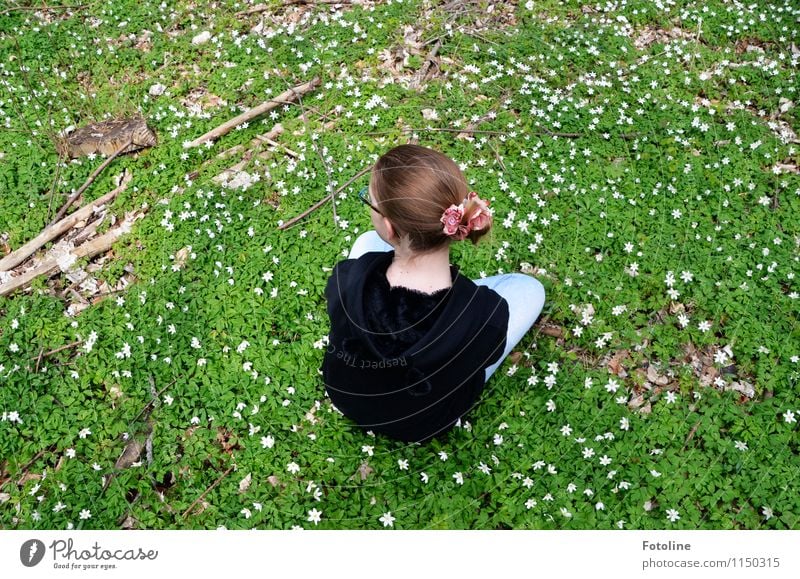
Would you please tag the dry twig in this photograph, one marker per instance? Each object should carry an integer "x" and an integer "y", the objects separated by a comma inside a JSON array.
[
  {"x": 264, "y": 107},
  {"x": 89, "y": 181},
  {"x": 322, "y": 201},
  {"x": 55, "y": 229},
  {"x": 208, "y": 490}
]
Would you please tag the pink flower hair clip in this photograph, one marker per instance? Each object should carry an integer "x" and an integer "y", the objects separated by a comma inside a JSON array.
[{"x": 454, "y": 215}]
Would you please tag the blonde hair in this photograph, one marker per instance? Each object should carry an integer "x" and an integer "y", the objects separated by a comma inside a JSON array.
[{"x": 412, "y": 186}]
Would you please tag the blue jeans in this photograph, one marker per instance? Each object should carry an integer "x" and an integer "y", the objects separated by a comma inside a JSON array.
[{"x": 524, "y": 294}]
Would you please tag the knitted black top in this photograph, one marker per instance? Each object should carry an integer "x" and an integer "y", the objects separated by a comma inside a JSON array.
[{"x": 404, "y": 363}]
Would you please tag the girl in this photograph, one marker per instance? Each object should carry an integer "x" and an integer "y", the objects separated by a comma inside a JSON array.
[{"x": 413, "y": 342}]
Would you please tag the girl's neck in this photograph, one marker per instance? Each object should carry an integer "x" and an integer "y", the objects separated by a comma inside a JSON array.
[{"x": 425, "y": 272}]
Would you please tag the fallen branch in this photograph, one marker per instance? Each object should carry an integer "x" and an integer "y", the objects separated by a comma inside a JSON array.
[
  {"x": 264, "y": 8},
  {"x": 89, "y": 181},
  {"x": 273, "y": 133},
  {"x": 51, "y": 352},
  {"x": 264, "y": 107},
  {"x": 418, "y": 129},
  {"x": 42, "y": 8},
  {"x": 322, "y": 201},
  {"x": 428, "y": 60},
  {"x": 55, "y": 229},
  {"x": 467, "y": 129},
  {"x": 208, "y": 490},
  {"x": 50, "y": 266},
  {"x": 152, "y": 402}
]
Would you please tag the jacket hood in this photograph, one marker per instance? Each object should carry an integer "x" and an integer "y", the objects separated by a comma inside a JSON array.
[{"x": 352, "y": 298}]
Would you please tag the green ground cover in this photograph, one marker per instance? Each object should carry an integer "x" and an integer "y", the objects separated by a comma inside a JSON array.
[{"x": 641, "y": 156}]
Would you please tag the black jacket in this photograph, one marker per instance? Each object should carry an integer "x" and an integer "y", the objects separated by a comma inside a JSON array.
[{"x": 414, "y": 388}]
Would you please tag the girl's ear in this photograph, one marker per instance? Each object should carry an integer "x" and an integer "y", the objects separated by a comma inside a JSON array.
[{"x": 390, "y": 230}]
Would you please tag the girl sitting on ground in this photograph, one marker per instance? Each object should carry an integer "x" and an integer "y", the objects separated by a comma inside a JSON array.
[{"x": 412, "y": 342}]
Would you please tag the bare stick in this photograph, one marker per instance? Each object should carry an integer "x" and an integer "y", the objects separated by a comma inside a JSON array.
[
  {"x": 50, "y": 266},
  {"x": 151, "y": 403},
  {"x": 89, "y": 181},
  {"x": 9, "y": 10},
  {"x": 55, "y": 229},
  {"x": 51, "y": 352},
  {"x": 321, "y": 202},
  {"x": 424, "y": 70},
  {"x": 38, "y": 361},
  {"x": 208, "y": 490},
  {"x": 625, "y": 136},
  {"x": 273, "y": 133},
  {"x": 264, "y": 8},
  {"x": 264, "y": 107}
]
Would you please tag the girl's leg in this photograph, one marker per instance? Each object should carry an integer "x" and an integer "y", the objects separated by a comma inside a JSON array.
[
  {"x": 525, "y": 297},
  {"x": 366, "y": 242}
]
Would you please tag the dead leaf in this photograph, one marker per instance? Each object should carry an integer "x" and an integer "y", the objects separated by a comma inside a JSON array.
[
  {"x": 554, "y": 331},
  {"x": 181, "y": 255},
  {"x": 244, "y": 484},
  {"x": 656, "y": 378},
  {"x": 636, "y": 401},
  {"x": 744, "y": 387},
  {"x": 364, "y": 470},
  {"x": 615, "y": 364},
  {"x": 130, "y": 454},
  {"x": 28, "y": 476},
  {"x": 129, "y": 523}
]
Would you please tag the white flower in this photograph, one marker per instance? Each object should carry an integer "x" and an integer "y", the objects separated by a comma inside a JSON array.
[
  {"x": 624, "y": 423},
  {"x": 612, "y": 385},
  {"x": 84, "y": 433},
  {"x": 293, "y": 467},
  {"x": 767, "y": 512},
  {"x": 459, "y": 478},
  {"x": 314, "y": 516},
  {"x": 788, "y": 417},
  {"x": 588, "y": 452},
  {"x": 267, "y": 441},
  {"x": 673, "y": 515},
  {"x": 402, "y": 464},
  {"x": 423, "y": 477},
  {"x": 604, "y": 460},
  {"x": 671, "y": 397},
  {"x": 387, "y": 519},
  {"x": 740, "y": 445},
  {"x": 498, "y": 439},
  {"x": 85, "y": 514},
  {"x": 704, "y": 326},
  {"x": 368, "y": 449},
  {"x": 566, "y": 430},
  {"x": 530, "y": 503},
  {"x": 442, "y": 455}
]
